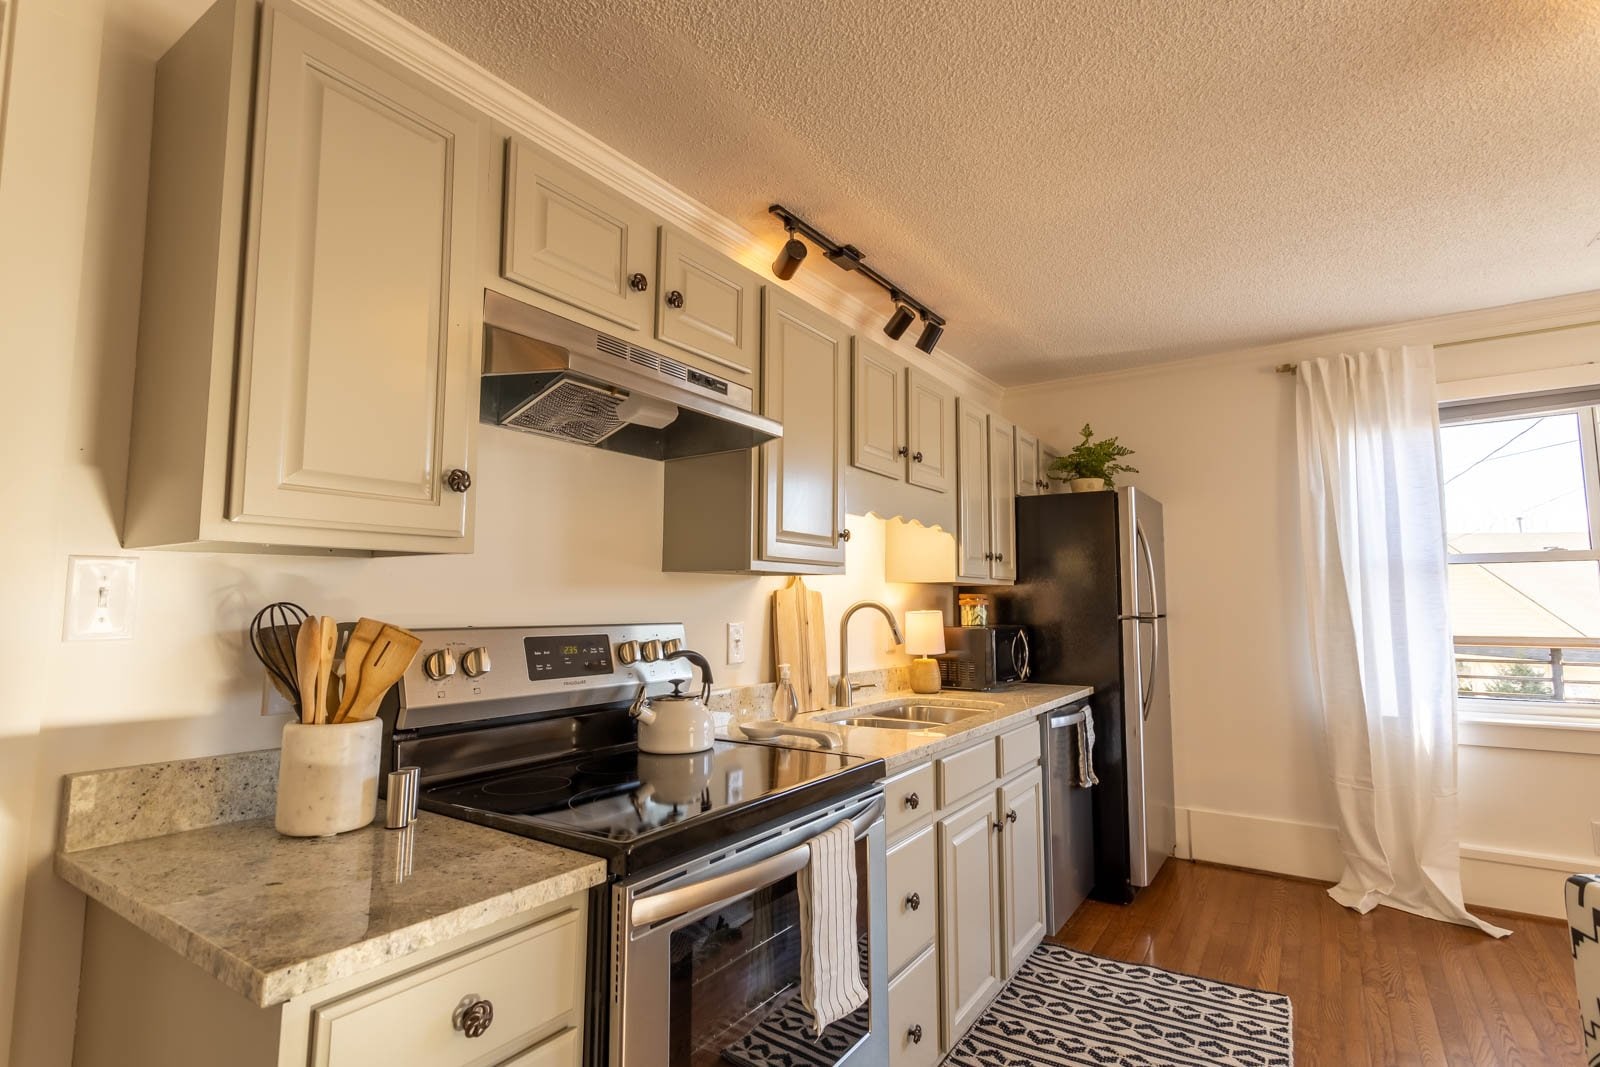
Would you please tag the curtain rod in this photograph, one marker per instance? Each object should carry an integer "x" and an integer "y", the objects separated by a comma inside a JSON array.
[{"x": 1287, "y": 368}]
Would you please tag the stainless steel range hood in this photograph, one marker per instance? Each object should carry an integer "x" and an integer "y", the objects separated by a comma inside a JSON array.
[{"x": 547, "y": 375}]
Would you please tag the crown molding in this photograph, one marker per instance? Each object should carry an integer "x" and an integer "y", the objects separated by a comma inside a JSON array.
[
  {"x": 1462, "y": 327},
  {"x": 390, "y": 35}
]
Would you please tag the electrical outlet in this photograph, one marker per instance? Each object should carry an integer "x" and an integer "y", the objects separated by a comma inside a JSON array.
[
  {"x": 100, "y": 597},
  {"x": 735, "y": 643}
]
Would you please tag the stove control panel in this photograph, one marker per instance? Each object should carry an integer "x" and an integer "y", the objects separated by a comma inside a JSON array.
[{"x": 471, "y": 673}]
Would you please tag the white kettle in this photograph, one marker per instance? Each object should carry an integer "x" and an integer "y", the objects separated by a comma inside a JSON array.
[{"x": 676, "y": 722}]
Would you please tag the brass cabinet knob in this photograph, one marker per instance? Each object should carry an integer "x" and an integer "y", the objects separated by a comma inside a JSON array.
[
  {"x": 473, "y": 1016},
  {"x": 903, "y": 451},
  {"x": 844, "y": 535},
  {"x": 675, "y": 300},
  {"x": 913, "y": 801},
  {"x": 458, "y": 480},
  {"x": 916, "y": 457},
  {"x": 638, "y": 282},
  {"x": 999, "y": 557},
  {"x": 1011, "y": 816},
  {"x": 913, "y": 901},
  {"x": 915, "y": 1034}
]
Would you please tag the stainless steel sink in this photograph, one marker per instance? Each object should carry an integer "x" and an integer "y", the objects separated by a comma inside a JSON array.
[
  {"x": 879, "y": 722},
  {"x": 939, "y": 713}
]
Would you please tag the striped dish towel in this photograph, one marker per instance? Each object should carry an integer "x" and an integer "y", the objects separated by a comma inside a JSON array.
[
  {"x": 830, "y": 963},
  {"x": 1086, "y": 775}
]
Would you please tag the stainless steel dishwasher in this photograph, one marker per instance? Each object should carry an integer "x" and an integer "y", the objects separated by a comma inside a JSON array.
[{"x": 1069, "y": 816}]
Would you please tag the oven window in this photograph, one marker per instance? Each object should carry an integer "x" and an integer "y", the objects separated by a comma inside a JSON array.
[{"x": 735, "y": 978}]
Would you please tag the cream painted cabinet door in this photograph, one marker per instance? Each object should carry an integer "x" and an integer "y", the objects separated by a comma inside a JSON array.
[
  {"x": 571, "y": 238},
  {"x": 804, "y": 385},
  {"x": 878, "y": 411},
  {"x": 972, "y": 491},
  {"x": 1027, "y": 463},
  {"x": 1002, "y": 499},
  {"x": 1047, "y": 459},
  {"x": 1022, "y": 867},
  {"x": 931, "y": 431},
  {"x": 357, "y": 384},
  {"x": 969, "y": 909},
  {"x": 709, "y": 307}
]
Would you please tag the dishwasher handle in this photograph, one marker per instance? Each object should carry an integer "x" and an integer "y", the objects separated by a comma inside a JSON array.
[{"x": 1072, "y": 717}]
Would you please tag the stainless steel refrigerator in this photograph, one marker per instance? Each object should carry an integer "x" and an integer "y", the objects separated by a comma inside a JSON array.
[{"x": 1091, "y": 589}]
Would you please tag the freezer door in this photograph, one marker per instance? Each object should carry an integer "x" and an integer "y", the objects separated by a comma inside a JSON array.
[
  {"x": 1142, "y": 546},
  {"x": 1147, "y": 724}
]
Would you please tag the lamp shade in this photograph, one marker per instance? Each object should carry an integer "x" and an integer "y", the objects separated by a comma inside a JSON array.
[{"x": 925, "y": 633}]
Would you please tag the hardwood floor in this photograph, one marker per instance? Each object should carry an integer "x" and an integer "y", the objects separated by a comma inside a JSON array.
[{"x": 1378, "y": 989}]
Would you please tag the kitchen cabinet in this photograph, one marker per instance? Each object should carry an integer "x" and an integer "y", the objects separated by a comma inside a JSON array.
[
  {"x": 902, "y": 439},
  {"x": 780, "y": 508},
  {"x": 986, "y": 530},
  {"x": 1047, "y": 459},
  {"x": 1021, "y": 805},
  {"x": 1002, "y": 500},
  {"x": 1027, "y": 463},
  {"x": 577, "y": 242},
  {"x": 931, "y": 431},
  {"x": 143, "y": 1005},
  {"x": 969, "y": 911},
  {"x": 914, "y": 1039},
  {"x": 709, "y": 308},
  {"x": 308, "y": 344}
]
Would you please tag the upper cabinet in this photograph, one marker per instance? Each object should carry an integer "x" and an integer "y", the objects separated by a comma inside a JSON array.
[
  {"x": 315, "y": 384},
  {"x": 780, "y": 508},
  {"x": 986, "y": 529},
  {"x": 1027, "y": 463},
  {"x": 902, "y": 439},
  {"x": 1002, "y": 500},
  {"x": 878, "y": 411},
  {"x": 1047, "y": 459},
  {"x": 931, "y": 433},
  {"x": 709, "y": 307},
  {"x": 577, "y": 241}
]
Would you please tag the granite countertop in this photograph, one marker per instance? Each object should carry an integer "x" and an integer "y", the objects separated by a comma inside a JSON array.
[
  {"x": 1004, "y": 709},
  {"x": 186, "y": 851}
]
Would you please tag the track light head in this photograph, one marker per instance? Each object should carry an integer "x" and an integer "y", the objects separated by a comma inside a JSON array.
[
  {"x": 790, "y": 256},
  {"x": 900, "y": 321},
  {"x": 930, "y": 336}
]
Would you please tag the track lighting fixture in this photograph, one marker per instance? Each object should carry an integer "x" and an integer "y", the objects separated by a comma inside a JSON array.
[
  {"x": 848, "y": 257},
  {"x": 901, "y": 320},
  {"x": 790, "y": 256}
]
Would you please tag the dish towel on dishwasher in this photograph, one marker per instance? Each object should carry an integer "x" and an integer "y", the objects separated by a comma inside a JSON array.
[
  {"x": 830, "y": 962},
  {"x": 1086, "y": 775}
]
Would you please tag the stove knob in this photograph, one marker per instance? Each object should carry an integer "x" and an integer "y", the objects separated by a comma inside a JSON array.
[
  {"x": 475, "y": 662},
  {"x": 652, "y": 651},
  {"x": 628, "y": 652},
  {"x": 439, "y": 665},
  {"x": 672, "y": 646}
]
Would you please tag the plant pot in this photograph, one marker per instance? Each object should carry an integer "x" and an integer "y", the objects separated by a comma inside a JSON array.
[
  {"x": 1087, "y": 485},
  {"x": 328, "y": 777}
]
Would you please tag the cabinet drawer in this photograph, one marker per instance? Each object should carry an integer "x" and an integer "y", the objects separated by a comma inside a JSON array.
[
  {"x": 907, "y": 797},
  {"x": 913, "y": 897},
  {"x": 1018, "y": 749},
  {"x": 914, "y": 1014},
  {"x": 965, "y": 773},
  {"x": 559, "y": 1051},
  {"x": 530, "y": 977}
]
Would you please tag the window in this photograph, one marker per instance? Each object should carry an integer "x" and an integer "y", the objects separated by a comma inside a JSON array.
[{"x": 1522, "y": 518}]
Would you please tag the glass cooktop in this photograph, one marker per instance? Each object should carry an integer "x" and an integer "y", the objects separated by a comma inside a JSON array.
[{"x": 639, "y": 808}]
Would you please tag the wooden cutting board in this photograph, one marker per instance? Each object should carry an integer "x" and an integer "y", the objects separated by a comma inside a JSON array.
[
  {"x": 788, "y": 638},
  {"x": 816, "y": 651}
]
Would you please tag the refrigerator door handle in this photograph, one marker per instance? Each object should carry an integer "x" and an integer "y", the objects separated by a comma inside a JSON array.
[
  {"x": 1146, "y": 698},
  {"x": 1149, "y": 562}
]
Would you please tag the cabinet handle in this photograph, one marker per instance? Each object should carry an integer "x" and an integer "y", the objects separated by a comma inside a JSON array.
[
  {"x": 902, "y": 451},
  {"x": 999, "y": 557},
  {"x": 913, "y": 801},
  {"x": 915, "y": 1034},
  {"x": 916, "y": 457},
  {"x": 998, "y": 826},
  {"x": 473, "y": 1016},
  {"x": 844, "y": 535},
  {"x": 458, "y": 480},
  {"x": 914, "y": 901},
  {"x": 638, "y": 282},
  {"x": 989, "y": 556},
  {"x": 1011, "y": 815},
  {"x": 675, "y": 300}
]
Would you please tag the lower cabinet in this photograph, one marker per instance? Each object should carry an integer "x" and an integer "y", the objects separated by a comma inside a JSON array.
[
  {"x": 914, "y": 1039},
  {"x": 969, "y": 908},
  {"x": 1022, "y": 867}
]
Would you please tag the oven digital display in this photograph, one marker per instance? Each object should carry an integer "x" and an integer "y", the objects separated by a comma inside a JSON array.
[{"x": 568, "y": 656}]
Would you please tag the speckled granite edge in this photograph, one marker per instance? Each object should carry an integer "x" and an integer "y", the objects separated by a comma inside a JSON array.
[{"x": 155, "y": 799}]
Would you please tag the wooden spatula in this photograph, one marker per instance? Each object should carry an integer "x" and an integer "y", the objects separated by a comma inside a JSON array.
[
  {"x": 355, "y": 654},
  {"x": 391, "y": 653},
  {"x": 327, "y": 649},
  {"x": 307, "y": 659}
]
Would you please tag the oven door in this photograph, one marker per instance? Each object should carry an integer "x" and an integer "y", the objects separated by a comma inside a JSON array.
[{"x": 706, "y": 957}]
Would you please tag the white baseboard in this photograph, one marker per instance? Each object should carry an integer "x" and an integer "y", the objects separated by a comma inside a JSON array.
[{"x": 1527, "y": 882}]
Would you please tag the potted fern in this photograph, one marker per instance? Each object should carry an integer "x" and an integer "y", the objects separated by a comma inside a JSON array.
[{"x": 1092, "y": 465}]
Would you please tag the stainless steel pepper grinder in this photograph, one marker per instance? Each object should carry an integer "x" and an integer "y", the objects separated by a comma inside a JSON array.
[{"x": 401, "y": 797}]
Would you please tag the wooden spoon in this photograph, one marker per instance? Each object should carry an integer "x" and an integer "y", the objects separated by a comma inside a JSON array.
[
  {"x": 307, "y": 659},
  {"x": 355, "y": 653},
  {"x": 327, "y": 647},
  {"x": 391, "y": 654}
]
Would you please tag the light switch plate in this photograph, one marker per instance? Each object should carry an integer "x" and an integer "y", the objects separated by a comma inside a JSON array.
[
  {"x": 735, "y": 643},
  {"x": 100, "y": 592}
]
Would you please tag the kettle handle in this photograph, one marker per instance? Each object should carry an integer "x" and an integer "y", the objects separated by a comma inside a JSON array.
[
  {"x": 699, "y": 661},
  {"x": 641, "y": 708}
]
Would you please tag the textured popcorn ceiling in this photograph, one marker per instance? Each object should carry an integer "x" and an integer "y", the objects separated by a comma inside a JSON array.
[{"x": 1080, "y": 186}]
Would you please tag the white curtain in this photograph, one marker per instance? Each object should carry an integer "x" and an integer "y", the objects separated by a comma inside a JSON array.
[{"x": 1373, "y": 529}]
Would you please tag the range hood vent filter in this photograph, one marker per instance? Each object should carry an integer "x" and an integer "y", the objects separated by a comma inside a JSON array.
[{"x": 571, "y": 411}]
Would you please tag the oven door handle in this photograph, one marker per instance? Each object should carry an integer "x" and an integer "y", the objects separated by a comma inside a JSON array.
[{"x": 670, "y": 903}]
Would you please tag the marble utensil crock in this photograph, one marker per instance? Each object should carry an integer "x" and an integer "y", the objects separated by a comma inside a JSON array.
[{"x": 328, "y": 777}]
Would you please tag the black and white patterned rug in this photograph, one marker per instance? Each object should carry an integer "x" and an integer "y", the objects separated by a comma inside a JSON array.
[{"x": 1065, "y": 1008}]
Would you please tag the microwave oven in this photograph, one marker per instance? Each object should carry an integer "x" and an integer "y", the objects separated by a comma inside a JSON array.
[{"x": 983, "y": 657}]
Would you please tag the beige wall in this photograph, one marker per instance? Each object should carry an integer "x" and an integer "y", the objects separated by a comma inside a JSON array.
[
  {"x": 565, "y": 534},
  {"x": 1216, "y": 444}
]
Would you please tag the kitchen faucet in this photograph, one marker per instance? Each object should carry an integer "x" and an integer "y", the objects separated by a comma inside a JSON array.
[{"x": 845, "y": 693}]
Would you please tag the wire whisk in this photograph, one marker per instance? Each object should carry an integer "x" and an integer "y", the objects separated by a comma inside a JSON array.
[{"x": 272, "y": 637}]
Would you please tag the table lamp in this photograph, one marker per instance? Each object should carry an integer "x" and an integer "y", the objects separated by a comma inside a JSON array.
[{"x": 924, "y": 638}]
